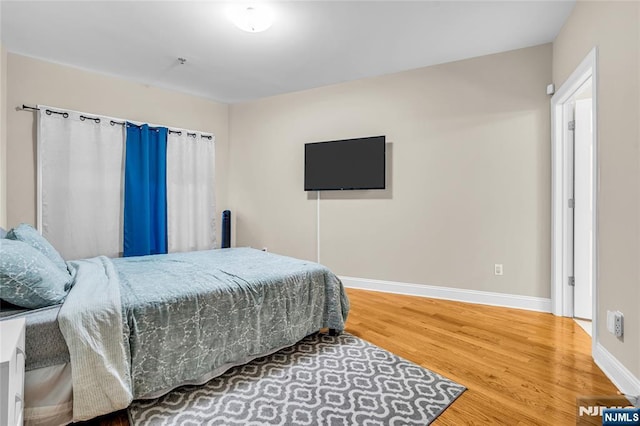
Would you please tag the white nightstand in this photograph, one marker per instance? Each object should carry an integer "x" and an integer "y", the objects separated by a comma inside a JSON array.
[{"x": 12, "y": 360}]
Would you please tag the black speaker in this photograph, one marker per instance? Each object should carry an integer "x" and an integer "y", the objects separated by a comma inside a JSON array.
[{"x": 226, "y": 229}]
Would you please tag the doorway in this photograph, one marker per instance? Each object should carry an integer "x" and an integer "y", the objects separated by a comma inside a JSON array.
[
  {"x": 582, "y": 193},
  {"x": 574, "y": 191}
]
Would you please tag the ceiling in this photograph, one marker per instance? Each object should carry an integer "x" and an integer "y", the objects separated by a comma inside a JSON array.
[{"x": 311, "y": 43}]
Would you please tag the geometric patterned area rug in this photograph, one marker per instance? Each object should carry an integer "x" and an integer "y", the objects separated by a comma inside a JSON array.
[{"x": 321, "y": 380}]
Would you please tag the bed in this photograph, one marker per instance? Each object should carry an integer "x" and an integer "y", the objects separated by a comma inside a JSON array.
[{"x": 135, "y": 328}]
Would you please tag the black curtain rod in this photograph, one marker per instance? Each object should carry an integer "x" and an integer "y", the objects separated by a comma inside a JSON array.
[
  {"x": 193, "y": 135},
  {"x": 113, "y": 123},
  {"x": 94, "y": 119},
  {"x": 47, "y": 111}
]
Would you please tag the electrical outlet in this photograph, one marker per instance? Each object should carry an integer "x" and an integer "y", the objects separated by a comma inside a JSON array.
[
  {"x": 615, "y": 323},
  {"x": 497, "y": 269},
  {"x": 618, "y": 324}
]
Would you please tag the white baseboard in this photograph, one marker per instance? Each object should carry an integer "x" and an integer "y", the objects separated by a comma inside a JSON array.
[
  {"x": 529, "y": 303},
  {"x": 624, "y": 380}
]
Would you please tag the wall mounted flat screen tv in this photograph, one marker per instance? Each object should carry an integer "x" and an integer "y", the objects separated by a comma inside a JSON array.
[{"x": 345, "y": 164}]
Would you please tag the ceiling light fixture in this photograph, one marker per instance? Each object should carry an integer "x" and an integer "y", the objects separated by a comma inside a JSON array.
[{"x": 253, "y": 19}]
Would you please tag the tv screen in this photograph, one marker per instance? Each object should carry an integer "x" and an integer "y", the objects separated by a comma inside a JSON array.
[{"x": 346, "y": 164}]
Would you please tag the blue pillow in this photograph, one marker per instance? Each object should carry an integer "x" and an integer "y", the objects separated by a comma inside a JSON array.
[
  {"x": 3, "y": 233},
  {"x": 28, "y": 278},
  {"x": 28, "y": 234}
]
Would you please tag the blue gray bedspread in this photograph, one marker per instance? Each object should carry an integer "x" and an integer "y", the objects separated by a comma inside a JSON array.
[{"x": 189, "y": 314}]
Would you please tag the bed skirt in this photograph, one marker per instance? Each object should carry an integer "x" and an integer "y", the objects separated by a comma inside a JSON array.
[{"x": 49, "y": 395}]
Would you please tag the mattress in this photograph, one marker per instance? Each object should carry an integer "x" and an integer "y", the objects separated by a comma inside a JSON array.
[{"x": 44, "y": 342}]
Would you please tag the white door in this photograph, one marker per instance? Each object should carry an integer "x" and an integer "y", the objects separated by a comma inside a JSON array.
[{"x": 583, "y": 190}]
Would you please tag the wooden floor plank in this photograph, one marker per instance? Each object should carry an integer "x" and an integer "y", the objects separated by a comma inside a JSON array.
[{"x": 520, "y": 367}]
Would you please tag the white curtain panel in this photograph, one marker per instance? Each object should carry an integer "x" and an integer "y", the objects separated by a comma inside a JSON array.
[
  {"x": 80, "y": 181},
  {"x": 191, "y": 206}
]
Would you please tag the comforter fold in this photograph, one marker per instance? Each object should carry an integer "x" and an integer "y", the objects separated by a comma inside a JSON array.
[{"x": 92, "y": 324}]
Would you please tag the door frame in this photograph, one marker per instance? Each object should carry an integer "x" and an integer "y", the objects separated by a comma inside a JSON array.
[{"x": 562, "y": 188}]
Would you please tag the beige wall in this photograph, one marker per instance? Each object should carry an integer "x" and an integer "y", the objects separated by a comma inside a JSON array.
[
  {"x": 469, "y": 175},
  {"x": 613, "y": 27},
  {"x": 31, "y": 81},
  {"x": 3, "y": 137}
]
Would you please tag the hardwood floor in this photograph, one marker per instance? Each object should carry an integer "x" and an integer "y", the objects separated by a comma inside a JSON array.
[{"x": 520, "y": 367}]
